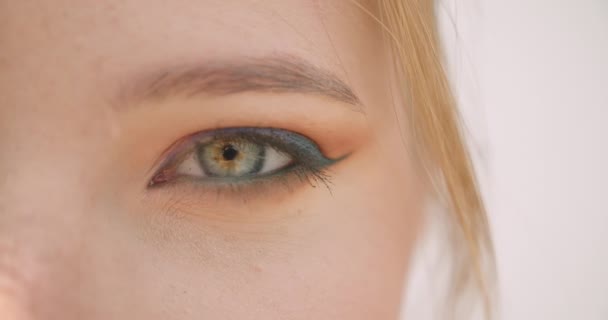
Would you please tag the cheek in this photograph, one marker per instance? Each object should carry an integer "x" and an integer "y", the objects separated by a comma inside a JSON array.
[
  {"x": 346, "y": 260},
  {"x": 338, "y": 255}
]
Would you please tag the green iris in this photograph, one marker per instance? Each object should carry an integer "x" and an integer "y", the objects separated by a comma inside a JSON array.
[{"x": 230, "y": 158}]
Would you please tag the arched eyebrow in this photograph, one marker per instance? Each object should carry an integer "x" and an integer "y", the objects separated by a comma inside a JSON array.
[{"x": 268, "y": 74}]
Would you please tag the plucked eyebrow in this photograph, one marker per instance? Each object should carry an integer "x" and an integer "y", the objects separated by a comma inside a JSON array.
[{"x": 267, "y": 74}]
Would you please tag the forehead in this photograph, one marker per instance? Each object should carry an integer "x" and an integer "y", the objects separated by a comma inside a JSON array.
[
  {"x": 183, "y": 29},
  {"x": 89, "y": 47}
]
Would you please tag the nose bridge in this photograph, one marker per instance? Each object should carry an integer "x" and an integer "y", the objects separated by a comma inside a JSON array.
[
  {"x": 36, "y": 282},
  {"x": 40, "y": 246},
  {"x": 40, "y": 269},
  {"x": 46, "y": 119},
  {"x": 14, "y": 302}
]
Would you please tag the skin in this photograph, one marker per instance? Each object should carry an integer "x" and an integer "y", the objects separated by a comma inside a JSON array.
[{"x": 83, "y": 237}]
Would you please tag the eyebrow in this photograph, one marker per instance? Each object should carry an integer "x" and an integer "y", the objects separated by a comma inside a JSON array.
[{"x": 268, "y": 74}]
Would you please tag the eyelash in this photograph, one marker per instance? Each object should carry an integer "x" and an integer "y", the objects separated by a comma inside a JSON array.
[{"x": 308, "y": 164}]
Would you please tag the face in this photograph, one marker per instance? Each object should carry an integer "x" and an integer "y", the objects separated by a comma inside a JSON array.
[{"x": 200, "y": 159}]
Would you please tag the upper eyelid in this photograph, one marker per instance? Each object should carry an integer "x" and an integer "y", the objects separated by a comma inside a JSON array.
[{"x": 261, "y": 135}]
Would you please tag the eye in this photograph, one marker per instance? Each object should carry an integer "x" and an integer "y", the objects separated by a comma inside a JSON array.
[
  {"x": 233, "y": 157},
  {"x": 240, "y": 155}
]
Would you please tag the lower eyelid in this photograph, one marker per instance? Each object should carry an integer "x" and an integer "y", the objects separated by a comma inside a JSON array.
[{"x": 194, "y": 190}]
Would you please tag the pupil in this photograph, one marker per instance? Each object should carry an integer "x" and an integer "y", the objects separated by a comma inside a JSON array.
[{"x": 230, "y": 153}]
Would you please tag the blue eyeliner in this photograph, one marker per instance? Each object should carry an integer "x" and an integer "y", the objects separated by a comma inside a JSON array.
[{"x": 307, "y": 160}]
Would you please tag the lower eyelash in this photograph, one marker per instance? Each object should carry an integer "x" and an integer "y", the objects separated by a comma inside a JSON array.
[
  {"x": 313, "y": 176},
  {"x": 289, "y": 180}
]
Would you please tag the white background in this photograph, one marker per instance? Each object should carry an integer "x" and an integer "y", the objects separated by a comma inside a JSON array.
[
  {"x": 532, "y": 79},
  {"x": 544, "y": 79}
]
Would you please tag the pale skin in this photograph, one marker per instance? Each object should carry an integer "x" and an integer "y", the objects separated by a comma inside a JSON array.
[{"x": 84, "y": 236}]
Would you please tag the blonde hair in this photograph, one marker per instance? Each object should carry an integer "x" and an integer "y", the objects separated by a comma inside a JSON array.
[{"x": 411, "y": 29}]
